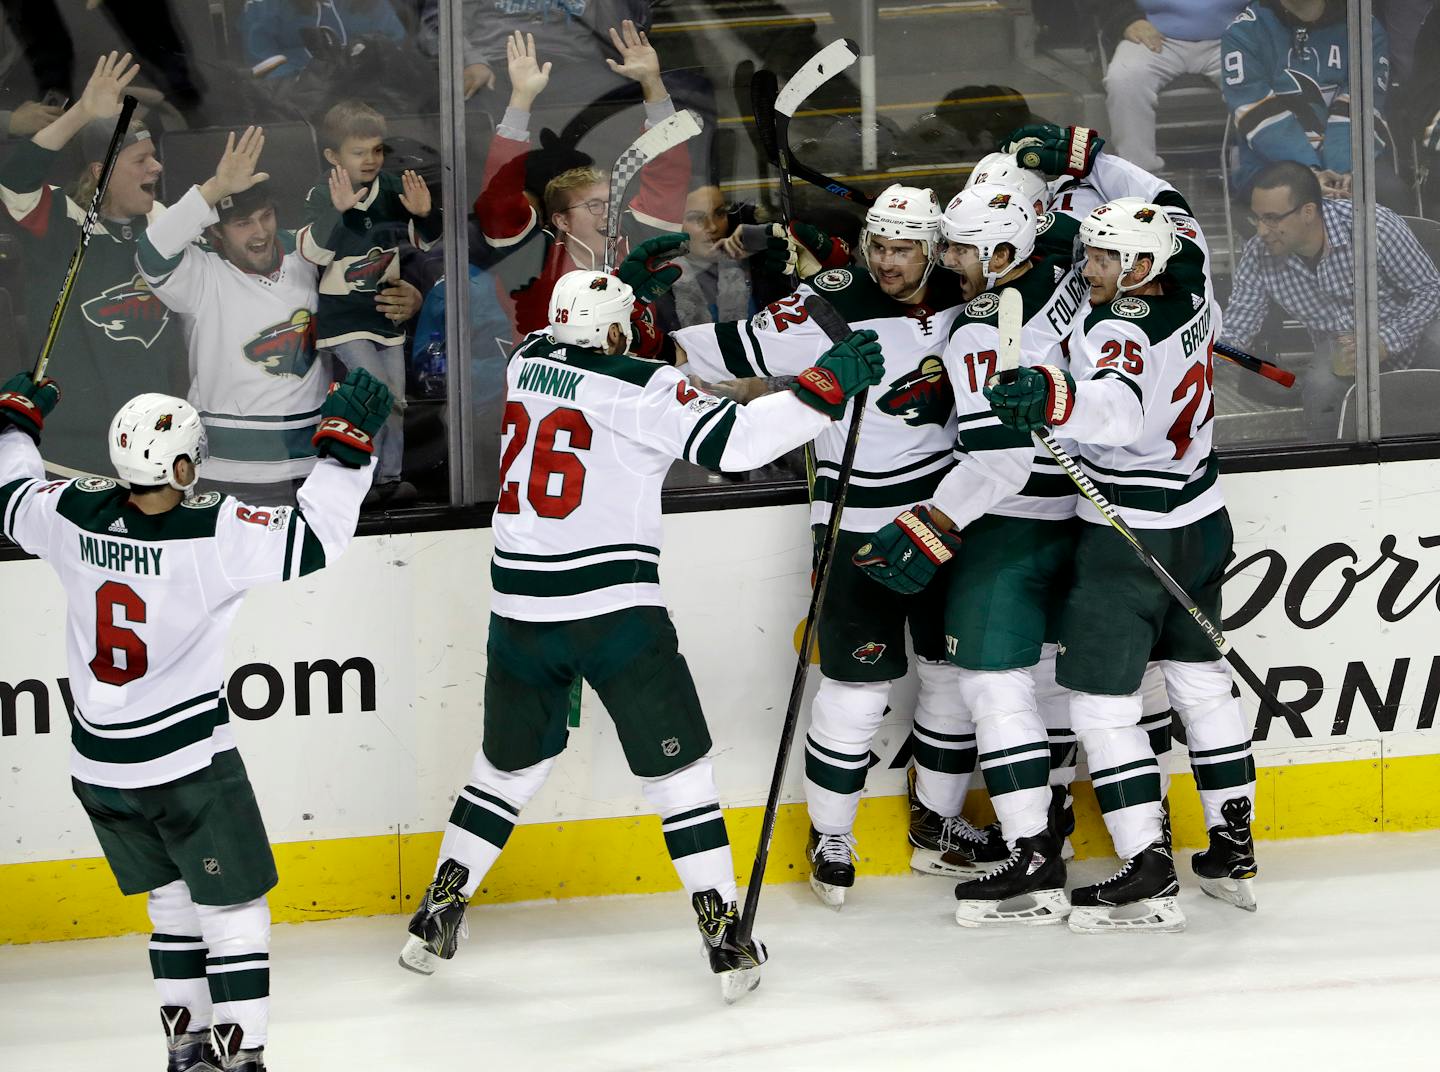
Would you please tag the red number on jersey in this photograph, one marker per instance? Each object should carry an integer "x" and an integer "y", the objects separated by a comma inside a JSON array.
[
  {"x": 1198, "y": 381},
  {"x": 546, "y": 461},
  {"x": 1111, "y": 353},
  {"x": 788, "y": 311},
  {"x": 988, "y": 358},
  {"x": 111, "y": 638},
  {"x": 254, "y": 517},
  {"x": 685, "y": 394}
]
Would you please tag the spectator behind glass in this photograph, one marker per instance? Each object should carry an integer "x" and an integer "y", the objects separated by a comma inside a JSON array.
[
  {"x": 117, "y": 339},
  {"x": 1287, "y": 83},
  {"x": 1303, "y": 260},
  {"x": 275, "y": 31},
  {"x": 1160, "y": 41},
  {"x": 248, "y": 301},
  {"x": 354, "y": 223},
  {"x": 574, "y": 35},
  {"x": 574, "y": 201}
]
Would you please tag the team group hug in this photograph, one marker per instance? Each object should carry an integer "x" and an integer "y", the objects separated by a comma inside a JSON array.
[{"x": 1035, "y": 630}]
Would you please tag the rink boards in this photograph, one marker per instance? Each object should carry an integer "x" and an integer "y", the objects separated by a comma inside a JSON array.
[{"x": 355, "y": 695}]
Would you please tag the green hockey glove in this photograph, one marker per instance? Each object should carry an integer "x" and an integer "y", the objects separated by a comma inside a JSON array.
[
  {"x": 1057, "y": 152},
  {"x": 353, "y": 412},
  {"x": 1032, "y": 399},
  {"x": 904, "y": 555},
  {"x": 843, "y": 371},
  {"x": 25, "y": 403},
  {"x": 647, "y": 270}
]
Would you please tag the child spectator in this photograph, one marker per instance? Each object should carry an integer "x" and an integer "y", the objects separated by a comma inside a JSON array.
[{"x": 354, "y": 224}]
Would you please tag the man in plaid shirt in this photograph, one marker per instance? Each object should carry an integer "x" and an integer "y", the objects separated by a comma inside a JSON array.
[{"x": 1303, "y": 259}]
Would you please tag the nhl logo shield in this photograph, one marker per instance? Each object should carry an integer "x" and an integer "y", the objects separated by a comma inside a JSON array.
[
  {"x": 211, "y": 865},
  {"x": 670, "y": 746}
]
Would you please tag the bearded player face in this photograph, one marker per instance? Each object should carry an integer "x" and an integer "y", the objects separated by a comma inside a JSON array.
[{"x": 250, "y": 242}]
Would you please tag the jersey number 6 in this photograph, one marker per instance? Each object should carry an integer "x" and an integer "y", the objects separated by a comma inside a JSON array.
[
  {"x": 545, "y": 461},
  {"x": 110, "y": 598}
]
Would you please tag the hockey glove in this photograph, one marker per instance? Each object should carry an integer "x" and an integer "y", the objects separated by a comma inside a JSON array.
[
  {"x": 904, "y": 555},
  {"x": 647, "y": 270},
  {"x": 1032, "y": 399},
  {"x": 804, "y": 250},
  {"x": 1055, "y": 151},
  {"x": 25, "y": 403},
  {"x": 353, "y": 412},
  {"x": 843, "y": 371},
  {"x": 646, "y": 337}
]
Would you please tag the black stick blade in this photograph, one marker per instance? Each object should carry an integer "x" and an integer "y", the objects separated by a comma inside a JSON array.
[{"x": 764, "y": 87}]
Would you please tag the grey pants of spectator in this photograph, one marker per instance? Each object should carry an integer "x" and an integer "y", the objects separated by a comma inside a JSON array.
[
  {"x": 1322, "y": 391},
  {"x": 386, "y": 364},
  {"x": 1132, "y": 86}
]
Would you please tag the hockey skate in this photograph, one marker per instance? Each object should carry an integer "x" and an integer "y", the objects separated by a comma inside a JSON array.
[
  {"x": 1028, "y": 888},
  {"x": 737, "y": 965},
  {"x": 951, "y": 847},
  {"x": 228, "y": 1056},
  {"x": 832, "y": 866},
  {"x": 1062, "y": 819},
  {"x": 439, "y": 922},
  {"x": 1141, "y": 896},
  {"x": 1227, "y": 868},
  {"x": 188, "y": 1050}
]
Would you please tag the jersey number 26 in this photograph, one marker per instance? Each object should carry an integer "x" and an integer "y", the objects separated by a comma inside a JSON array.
[{"x": 546, "y": 461}]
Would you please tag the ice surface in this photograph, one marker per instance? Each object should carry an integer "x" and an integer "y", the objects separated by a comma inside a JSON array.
[{"x": 1340, "y": 967}]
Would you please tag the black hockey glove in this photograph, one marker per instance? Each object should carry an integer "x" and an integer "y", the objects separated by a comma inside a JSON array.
[
  {"x": 25, "y": 403},
  {"x": 353, "y": 412}
]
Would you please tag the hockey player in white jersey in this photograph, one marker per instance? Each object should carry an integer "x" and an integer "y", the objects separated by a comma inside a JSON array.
[
  {"x": 589, "y": 433},
  {"x": 153, "y": 577},
  {"x": 905, "y": 448},
  {"x": 1005, "y": 516},
  {"x": 1139, "y": 400}
]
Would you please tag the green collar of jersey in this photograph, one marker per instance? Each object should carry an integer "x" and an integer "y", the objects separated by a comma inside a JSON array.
[{"x": 100, "y": 505}]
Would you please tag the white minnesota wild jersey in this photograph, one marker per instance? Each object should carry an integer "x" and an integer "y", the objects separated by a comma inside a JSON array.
[
  {"x": 999, "y": 470},
  {"x": 909, "y": 425},
  {"x": 255, "y": 376},
  {"x": 586, "y": 441},
  {"x": 150, "y": 600},
  {"x": 1147, "y": 441}
]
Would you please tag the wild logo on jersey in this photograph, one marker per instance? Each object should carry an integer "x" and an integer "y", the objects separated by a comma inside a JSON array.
[
  {"x": 921, "y": 396},
  {"x": 286, "y": 348},
  {"x": 365, "y": 273},
  {"x": 128, "y": 312}
]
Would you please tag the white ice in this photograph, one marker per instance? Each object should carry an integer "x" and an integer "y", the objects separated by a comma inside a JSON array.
[{"x": 1340, "y": 968}]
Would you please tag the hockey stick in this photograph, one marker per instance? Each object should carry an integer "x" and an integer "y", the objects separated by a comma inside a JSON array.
[
  {"x": 773, "y": 111},
  {"x": 673, "y": 130},
  {"x": 834, "y": 325},
  {"x": 1268, "y": 369},
  {"x": 1010, "y": 360},
  {"x": 87, "y": 228}
]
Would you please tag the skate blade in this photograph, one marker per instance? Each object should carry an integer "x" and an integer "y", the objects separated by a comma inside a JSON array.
[
  {"x": 416, "y": 957},
  {"x": 1239, "y": 892},
  {"x": 830, "y": 896},
  {"x": 1041, "y": 908},
  {"x": 933, "y": 862},
  {"x": 734, "y": 985},
  {"x": 1158, "y": 914}
]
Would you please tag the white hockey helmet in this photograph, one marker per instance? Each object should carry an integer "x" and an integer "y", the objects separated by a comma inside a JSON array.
[
  {"x": 1001, "y": 169},
  {"x": 905, "y": 213},
  {"x": 986, "y": 216},
  {"x": 148, "y": 435},
  {"x": 584, "y": 304},
  {"x": 1132, "y": 226}
]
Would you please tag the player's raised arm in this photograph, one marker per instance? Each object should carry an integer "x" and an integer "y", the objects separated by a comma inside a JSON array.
[
  {"x": 259, "y": 543},
  {"x": 27, "y": 502}
]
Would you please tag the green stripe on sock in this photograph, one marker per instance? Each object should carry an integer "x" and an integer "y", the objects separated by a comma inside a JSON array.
[
  {"x": 1127, "y": 792},
  {"x": 240, "y": 985},
  {"x": 836, "y": 779},
  {"x": 482, "y": 822},
  {"x": 178, "y": 963},
  {"x": 1005, "y": 778},
  {"x": 942, "y": 760},
  {"x": 698, "y": 838},
  {"x": 1226, "y": 775}
]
